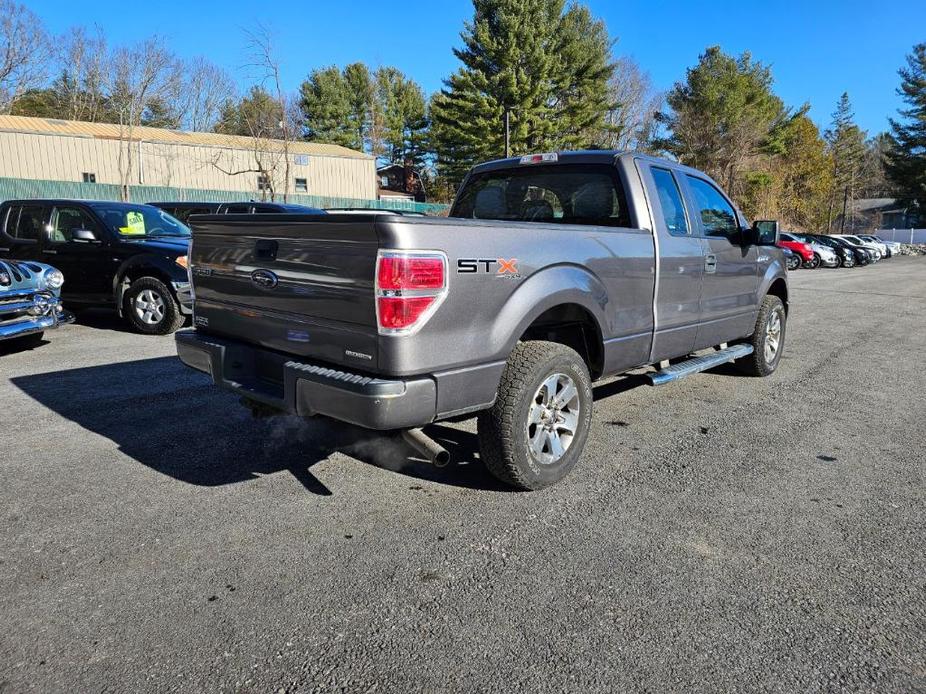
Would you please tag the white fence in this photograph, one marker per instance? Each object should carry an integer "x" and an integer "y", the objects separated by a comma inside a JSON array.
[{"x": 902, "y": 235}]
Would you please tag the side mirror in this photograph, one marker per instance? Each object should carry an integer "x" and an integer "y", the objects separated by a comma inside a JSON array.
[
  {"x": 83, "y": 236},
  {"x": 764, "y": 232}
]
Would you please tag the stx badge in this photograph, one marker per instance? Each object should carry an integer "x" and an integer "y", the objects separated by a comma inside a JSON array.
[{"x": 500, "y": 267}]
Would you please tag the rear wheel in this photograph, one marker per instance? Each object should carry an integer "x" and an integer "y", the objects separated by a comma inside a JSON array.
[
  {"x": 534, "y": 434},
  {"x": 768, "y": 339},
  {"x": 151, "y": 308}
]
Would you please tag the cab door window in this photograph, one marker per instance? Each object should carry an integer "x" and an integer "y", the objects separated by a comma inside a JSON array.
[
  {"x": 718, "y": 218},
  {"x": 66, "y": 220}
]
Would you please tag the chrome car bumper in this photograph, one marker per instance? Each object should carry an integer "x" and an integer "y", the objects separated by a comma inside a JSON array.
[
  {"x": 25, "y": 313},
  {"x": 28, "y": 325}
]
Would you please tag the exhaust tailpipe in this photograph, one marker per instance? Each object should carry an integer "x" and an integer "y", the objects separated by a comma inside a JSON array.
[{"x": 429, "y": 449}]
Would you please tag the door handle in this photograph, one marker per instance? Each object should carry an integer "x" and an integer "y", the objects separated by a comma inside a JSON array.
[
  {"x": 50, "y": 251},
  {"x": 710, "y": 263}
]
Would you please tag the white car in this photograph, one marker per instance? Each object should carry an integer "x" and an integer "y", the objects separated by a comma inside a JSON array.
[
  {"x": 822, "y": 255},
  {"x": 893, "y": 248},
  {"x": 879, "y": 250}
]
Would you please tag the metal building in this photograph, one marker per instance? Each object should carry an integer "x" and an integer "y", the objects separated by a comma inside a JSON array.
[{"x": 196, "y": 165}]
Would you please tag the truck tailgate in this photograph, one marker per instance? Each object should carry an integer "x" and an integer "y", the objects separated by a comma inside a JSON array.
[{"x": 300, "y": 284}]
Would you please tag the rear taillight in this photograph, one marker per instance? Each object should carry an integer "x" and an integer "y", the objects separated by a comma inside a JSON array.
[{"x": 409, "y": 287}]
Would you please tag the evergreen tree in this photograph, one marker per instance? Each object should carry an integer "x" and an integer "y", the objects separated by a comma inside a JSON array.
[
  {"x": 724, "y": 116},
  {"x": 257, "y": 114},
  {"x": 402, "y": 113},
  {"x": 905, "y": 162},
  {"x": 846, "y": 143},
  {"x": 326, "y": 108},
  {"x": 545, "y": 65}
]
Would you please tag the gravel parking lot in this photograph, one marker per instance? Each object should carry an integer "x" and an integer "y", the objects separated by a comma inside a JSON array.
[{"x": 722, "y": 533}]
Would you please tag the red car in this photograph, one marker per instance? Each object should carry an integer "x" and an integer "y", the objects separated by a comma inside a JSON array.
[{"x": 802, "y": 249}]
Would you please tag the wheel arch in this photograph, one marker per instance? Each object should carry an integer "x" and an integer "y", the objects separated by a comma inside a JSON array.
[
  {"x": 564, "y": 304},
  {"x": 141, "y": 266}
]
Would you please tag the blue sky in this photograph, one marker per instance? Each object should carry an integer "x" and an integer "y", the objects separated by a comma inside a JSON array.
[{"x": 817, "y": 49}]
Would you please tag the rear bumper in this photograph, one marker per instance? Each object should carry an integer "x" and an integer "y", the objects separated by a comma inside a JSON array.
[{"x": 308, "y": 389}]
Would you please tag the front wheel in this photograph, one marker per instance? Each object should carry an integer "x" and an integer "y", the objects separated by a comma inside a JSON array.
[
  {"x": 813, "y": 263},
  {"x": 768, "y": 339},
  {"x": 848, "y": 261},
  {"x": 533, "y": 435},
  {"x": 151, "y": 308}
]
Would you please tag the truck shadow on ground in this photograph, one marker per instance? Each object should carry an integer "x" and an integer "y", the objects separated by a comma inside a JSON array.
[{"x": 176, "y": 422}]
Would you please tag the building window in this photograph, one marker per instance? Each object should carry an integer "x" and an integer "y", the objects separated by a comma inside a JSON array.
[
  {"x": 263, "y": 182},
  {"x": 301, "y": 159},
  {"x": 302, "y": 186},
  {"x": 89, "y": 177}
]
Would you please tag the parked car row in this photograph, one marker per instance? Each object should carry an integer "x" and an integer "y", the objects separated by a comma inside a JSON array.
[{"x": 811, "y": 251}]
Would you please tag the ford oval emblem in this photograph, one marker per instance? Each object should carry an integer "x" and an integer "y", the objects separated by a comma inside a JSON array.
[{"x": 264, "y": 279}]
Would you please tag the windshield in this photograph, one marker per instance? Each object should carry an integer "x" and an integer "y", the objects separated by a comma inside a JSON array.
[
  {"x": 558, "y": 194},
  {"x": 855, "y": 239},
  {"x": 130, "y": 220}
]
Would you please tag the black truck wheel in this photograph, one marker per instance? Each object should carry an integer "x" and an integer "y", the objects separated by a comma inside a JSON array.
[
  {"x": 768, "y": 339},
  {"x": 534, "y": 434},
  {"x": 151, "y": 308}
]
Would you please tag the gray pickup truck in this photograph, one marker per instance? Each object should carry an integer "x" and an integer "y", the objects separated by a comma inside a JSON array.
[{"x": 552, "y": 271}]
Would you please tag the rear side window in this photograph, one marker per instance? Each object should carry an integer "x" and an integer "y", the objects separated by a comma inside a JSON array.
[
  {"x": 718, "y": 218},
  {"x": 670, "y": 200},
  {"x": 25, "y": 222},
  {"x": 238, "y": 209},
  {"x": 560, "y": 194}
]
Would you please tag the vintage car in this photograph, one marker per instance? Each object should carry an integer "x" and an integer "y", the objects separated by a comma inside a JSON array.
[{"x": 30, "y": 300}]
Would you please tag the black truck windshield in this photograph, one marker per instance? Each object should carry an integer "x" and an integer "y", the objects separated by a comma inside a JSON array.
[
  {"x": 557, "y": 194},
  {"x": 131, "y": 220}
]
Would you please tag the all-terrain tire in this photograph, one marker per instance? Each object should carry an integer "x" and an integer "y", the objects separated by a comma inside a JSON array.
[
  {"x": 505, "y": 430},
  {"x": 760, "y": 362},
  {"x": 163, "y": 321}
]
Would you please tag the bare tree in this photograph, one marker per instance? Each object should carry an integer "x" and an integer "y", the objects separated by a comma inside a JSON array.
[
  {"x": 143, "y": 77},
  {"x": 83, "y": 85},
  {"x": 265, "y": 66},
  {"x": 632, "y": 123},
  {"x": 24, "y": 52},
  {"x": 206, "y": 87}
]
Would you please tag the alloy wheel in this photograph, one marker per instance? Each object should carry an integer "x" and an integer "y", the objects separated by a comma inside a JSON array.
[
  {"x": 149, "y": 307},
  {"x": 553, "y": 418}
]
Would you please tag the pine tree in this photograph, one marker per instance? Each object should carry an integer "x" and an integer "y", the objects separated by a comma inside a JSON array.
[
  {"x": 846, "y": 143},
  {"x": 724, "y": 116},
  {"x": 905, "y": 162},
  {"x": 326, "y": 109},
  {"x": 544, "y": 65}
]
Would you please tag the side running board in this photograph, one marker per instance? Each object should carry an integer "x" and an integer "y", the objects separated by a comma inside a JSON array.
[{"x": 698, "y": 364}]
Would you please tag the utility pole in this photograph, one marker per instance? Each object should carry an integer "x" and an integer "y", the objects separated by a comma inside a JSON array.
[
  {"x": 507, "y": 132},
  {"x": 845, "y": 205}
]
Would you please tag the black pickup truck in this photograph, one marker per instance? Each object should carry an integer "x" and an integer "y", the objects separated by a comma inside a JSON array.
[
  {"x": 553, "y": 270},
  {"x": 112, "y": 254}
]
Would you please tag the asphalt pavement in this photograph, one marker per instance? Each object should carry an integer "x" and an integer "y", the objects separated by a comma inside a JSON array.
[{"x": 720, "y": 534}]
